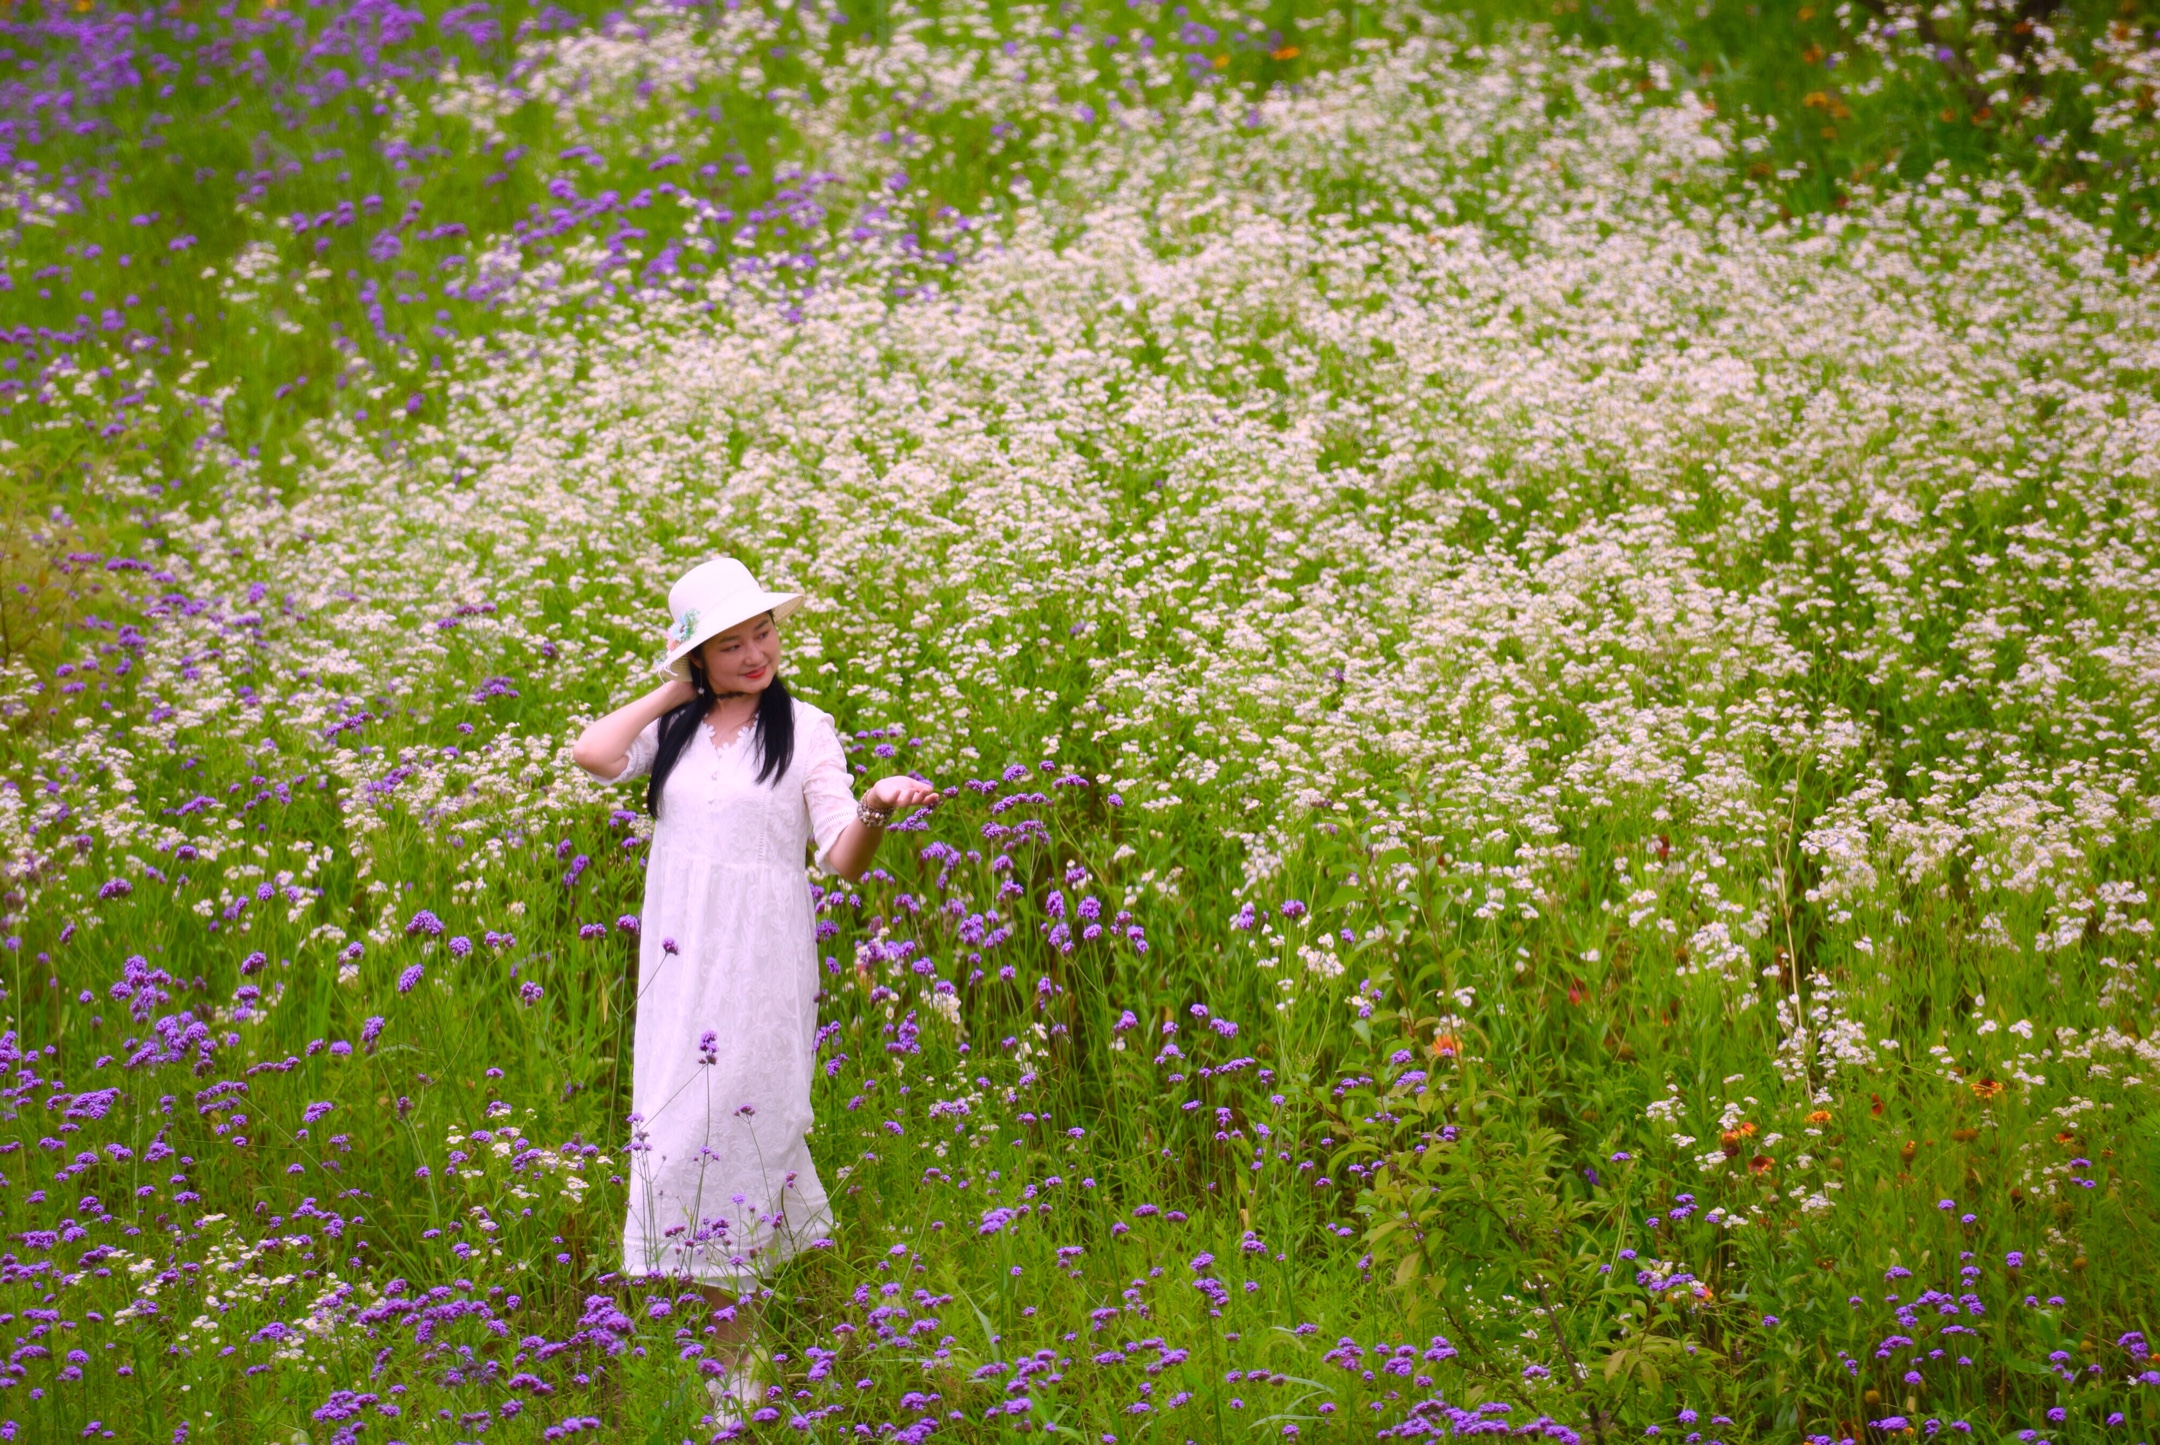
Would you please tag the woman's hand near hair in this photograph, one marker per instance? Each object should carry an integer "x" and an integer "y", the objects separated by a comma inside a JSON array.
[
  {"x": 603, "y": 749},
  {"x": 857, "y": 844}
]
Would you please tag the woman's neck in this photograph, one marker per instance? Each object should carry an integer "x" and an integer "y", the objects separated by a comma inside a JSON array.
[{"x": 725, "y": 704}]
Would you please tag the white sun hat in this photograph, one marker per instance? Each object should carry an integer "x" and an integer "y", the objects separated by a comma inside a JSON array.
[{"x": 709, "y": 599}]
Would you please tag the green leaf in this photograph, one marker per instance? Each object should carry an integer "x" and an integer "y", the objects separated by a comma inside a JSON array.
[{"x": 989, "y": 1335}]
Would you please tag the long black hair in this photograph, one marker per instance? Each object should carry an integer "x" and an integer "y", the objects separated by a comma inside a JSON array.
[{"x": 775, "y": 736}]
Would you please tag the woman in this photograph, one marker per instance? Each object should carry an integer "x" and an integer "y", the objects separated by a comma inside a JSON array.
[{"x": 721, "y": 1183}]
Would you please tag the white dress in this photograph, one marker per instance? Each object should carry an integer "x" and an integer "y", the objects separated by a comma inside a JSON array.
[{"x": 721, "y": 1184}]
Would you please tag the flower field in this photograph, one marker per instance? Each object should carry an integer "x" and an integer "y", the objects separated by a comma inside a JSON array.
[{"x": 1552, "y": 806}]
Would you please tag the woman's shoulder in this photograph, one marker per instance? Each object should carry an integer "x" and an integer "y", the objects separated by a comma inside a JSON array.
[
  {"x": 808, "y": 714},
  {"x": 816, "y": 730}
]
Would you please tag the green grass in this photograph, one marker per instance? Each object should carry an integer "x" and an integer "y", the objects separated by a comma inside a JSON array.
[{"x": 1671, "y": 848}]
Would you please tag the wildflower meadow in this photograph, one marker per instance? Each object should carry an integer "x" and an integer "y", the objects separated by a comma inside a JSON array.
[{"x": 1540, "y": 629}]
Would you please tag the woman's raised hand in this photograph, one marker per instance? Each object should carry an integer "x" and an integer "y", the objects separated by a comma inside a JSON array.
[{"x": 899, "y": 792}]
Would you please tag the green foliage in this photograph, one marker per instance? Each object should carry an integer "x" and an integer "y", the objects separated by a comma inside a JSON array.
[{"x": 1651, "y": 911}]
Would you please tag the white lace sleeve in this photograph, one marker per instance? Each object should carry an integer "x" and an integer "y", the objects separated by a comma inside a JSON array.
[
  {"x": 643, "y": 747},
  {"x": 826, "y": 787}
]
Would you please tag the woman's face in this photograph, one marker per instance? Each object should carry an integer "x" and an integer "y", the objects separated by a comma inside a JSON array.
[{"x": 743, "y": 658}]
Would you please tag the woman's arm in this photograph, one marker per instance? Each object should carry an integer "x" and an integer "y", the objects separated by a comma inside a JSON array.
[
  {"x": 857, "y": 845},
  {"x": 603, "y": 749}
]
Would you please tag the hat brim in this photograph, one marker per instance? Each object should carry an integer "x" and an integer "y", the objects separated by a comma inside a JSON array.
[{"x": 780, "y": 604}]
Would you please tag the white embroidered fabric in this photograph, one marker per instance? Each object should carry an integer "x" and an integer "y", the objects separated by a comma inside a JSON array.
[{"x": 722, "y": 1188}]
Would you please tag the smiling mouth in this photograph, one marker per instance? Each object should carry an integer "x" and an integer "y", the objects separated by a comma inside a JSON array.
[{"x": 754, "y": 674}]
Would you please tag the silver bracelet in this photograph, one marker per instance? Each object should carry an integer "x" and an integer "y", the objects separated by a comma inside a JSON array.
[{"x": 871, "y": 817}]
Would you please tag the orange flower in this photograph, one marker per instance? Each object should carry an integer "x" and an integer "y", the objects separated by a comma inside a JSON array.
[
  {"x": 1445, "y": 1046},
  {"x": 1986, "y": 1088},
  {"x": 1288, "y": 52},
  {"x": 1760, "y": 1164},
  {"x": 1820, "y": 1116},
  {"x": 1747, "y": 1131}
]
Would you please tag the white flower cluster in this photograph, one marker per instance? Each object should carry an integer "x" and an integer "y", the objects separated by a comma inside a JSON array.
[{"x": 1392, "y": 427}]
